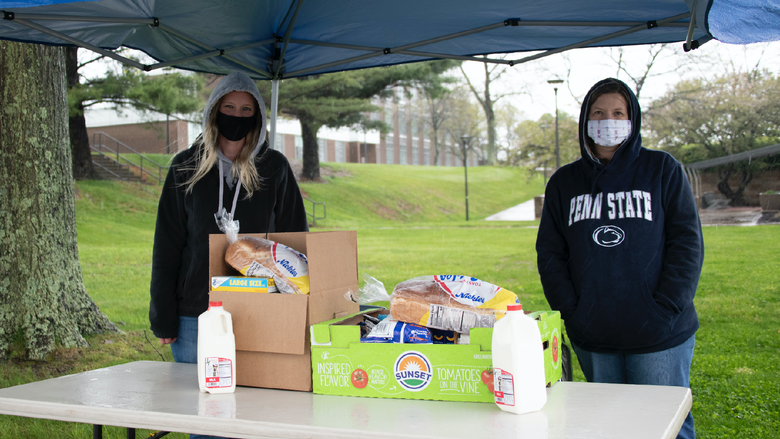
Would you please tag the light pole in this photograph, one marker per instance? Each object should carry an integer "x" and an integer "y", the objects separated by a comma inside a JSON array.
[
  {"x": 554, "y": 82},
  {"x": 464, "y": 150},
  {"x": 544, "y": 127}
]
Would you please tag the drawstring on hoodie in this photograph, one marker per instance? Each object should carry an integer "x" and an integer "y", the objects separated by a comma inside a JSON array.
[
  {"x": 593, "y": 186},
  {"x": 221, "y": 191}
]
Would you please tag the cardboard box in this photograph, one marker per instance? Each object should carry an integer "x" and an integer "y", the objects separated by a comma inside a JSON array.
[
  {"x": 341, "y": 365},
  {"x": 272, "y": 336}
]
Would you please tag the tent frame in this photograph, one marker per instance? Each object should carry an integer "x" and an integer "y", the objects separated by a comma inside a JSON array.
[
  {"x": 276, "y": 66},
  {"x": 277, "y": 69}
]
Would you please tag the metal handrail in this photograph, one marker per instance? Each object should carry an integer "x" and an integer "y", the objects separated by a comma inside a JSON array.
[
  {"x": 313, "y": 214},
  {"x": 97, "y": 145},
  {"x": 106, "y": 169}
]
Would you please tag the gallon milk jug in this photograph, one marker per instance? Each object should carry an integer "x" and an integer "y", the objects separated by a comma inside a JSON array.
[
  {"x": 518, "y": 363},
  {"x": 216, "y": 351}
]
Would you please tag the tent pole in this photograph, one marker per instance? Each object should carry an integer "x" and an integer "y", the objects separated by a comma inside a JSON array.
[
  {"x": 274, "y": 106},
  {"x": 691, "y": 26},
  {"x": 77, "y": 42},
  {"x": 649, "y": 25}
]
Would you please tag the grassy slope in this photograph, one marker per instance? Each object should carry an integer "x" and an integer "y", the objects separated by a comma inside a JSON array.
[
  {"x": 377, "y": 195},
  {"x": 735, "y": 372}
]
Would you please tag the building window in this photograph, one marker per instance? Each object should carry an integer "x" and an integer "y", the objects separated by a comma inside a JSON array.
[
  {"x": 402, "y": 120},
  {"x": 402, "y": 148},
  {"x": 299, "y": 147},
  {"x": 322, "y": 149},
  {"x": 341, "y": 155},
  {"x": 427, "y": 152},
  {"x": 389, "y": 107},
  {"x": 415, "y": 154},
  {"x": 390, "y": 150}
]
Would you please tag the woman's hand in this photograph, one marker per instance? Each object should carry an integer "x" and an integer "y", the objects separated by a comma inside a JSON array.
[{"x": 164, "y": 341}]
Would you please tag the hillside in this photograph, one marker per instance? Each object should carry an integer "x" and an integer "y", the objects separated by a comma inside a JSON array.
[{"x": 366, "y": 195}]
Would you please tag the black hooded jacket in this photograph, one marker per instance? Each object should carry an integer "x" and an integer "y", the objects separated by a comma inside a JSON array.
[
  {"x": 180, "y": 259},
  {"x": 620, "y": 248}
]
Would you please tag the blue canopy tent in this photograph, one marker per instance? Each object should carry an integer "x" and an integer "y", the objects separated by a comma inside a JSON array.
[{"x": 273, "y": 39}]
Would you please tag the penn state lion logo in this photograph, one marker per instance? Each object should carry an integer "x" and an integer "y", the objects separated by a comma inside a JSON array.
[{"x": 608, "y": 236}]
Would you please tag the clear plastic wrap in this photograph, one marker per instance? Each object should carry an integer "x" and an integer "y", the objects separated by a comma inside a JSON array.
[
  {"x": 227, "y": 225},
  {"x": 373, "y": 290}
]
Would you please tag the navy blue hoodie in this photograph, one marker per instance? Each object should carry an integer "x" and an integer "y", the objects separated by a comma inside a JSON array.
[{"x": 619, "y": 248}]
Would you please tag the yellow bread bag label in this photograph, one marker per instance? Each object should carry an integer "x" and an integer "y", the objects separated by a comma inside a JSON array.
[{"x": 245, "y": 284}]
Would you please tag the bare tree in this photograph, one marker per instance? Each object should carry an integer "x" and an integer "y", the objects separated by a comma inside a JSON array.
[
  {"x": 487, "y": 100},
  {"x": 639, "y": 75},
  {"x": 436, "y": 109},
  {"x": 463, "y": 121}
]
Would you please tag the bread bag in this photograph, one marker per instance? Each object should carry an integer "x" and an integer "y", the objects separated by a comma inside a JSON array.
[
  {"x": 450, "y": 302},
  {"x": 258, "y": 257}
]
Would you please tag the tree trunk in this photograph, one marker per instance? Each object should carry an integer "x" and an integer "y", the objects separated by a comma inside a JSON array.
[
  {"x": 311, "y": 158},
  {"x": 436, "y": 147},
  {"x": 734, "y": 195},
  {"x": 43, "y": 301},
  {"x": 490, "y": 117},
  {"x": 79, "y": 139}
]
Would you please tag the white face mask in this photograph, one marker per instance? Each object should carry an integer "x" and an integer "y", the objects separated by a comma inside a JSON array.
[{"x": 609, "y": 132}]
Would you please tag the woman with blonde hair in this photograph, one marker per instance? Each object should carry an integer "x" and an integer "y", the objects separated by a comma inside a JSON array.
[{"x": 228, "y": 169}]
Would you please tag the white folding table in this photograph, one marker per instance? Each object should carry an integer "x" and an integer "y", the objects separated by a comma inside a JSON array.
[{"x": 164, "y": 396}]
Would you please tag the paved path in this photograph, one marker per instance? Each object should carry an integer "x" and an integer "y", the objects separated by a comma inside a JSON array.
[
  {"x": 521, "y": 212},
  {"x": 750, "y": 216}
]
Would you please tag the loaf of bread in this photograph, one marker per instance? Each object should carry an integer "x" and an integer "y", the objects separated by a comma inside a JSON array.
[
  {"x": 258, "y": 257},
  {"x": 438, "y": 302}
]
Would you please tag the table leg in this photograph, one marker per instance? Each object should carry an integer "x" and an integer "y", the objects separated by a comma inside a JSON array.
[
  {"x": 131, "y": 433},
  {"x": 97, "y": 431}
]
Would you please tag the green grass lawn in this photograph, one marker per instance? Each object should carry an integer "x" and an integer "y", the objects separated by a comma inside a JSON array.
[
  {"x": 397, "y": 196},
  {"x": 735, "y": 372}
]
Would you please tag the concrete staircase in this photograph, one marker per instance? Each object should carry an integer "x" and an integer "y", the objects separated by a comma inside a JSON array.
[{"x": 109, "y": 169}]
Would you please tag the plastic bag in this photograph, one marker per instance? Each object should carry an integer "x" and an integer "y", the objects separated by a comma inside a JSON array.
[
  {"x": 372, "y": 291},
  {"x": 258, "y": 257},
  {"x": 227, "y": 225},
  {"x": 450, "y": 302}
]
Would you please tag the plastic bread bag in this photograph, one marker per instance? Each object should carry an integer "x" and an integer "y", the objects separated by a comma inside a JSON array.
[
  {"x": 258, "y": 257},
  {"x": 391, "y": 331},
  {"x": 373, "y": 290},
  {"x": 450, "y": 302}
]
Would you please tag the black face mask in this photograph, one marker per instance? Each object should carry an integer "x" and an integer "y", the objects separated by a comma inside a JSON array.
[{"x": 234, "y": 128}]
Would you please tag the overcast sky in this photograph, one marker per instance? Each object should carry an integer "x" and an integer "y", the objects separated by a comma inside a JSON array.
[
  {"x": 536, "y": 97},
  {"x": 533, "y": 96}
]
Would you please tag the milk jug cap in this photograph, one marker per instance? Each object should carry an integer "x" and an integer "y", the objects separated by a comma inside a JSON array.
[
  {"x": 515, "y": 307},
  {"x": 213, "y": 304}
]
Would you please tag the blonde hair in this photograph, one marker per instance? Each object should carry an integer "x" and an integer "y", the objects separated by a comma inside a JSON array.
[{"x": 206, "y": 154}]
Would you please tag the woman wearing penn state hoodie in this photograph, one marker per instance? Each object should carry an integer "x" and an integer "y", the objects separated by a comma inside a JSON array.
[
  {"x": 230, "y": 167},
  {"x": 620, "y": 250}
]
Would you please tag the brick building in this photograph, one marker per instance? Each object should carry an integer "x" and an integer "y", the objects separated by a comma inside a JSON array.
[{"x": 408, "y": 143}]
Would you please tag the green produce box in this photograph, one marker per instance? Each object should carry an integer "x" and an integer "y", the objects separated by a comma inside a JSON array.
[{"x": 341, "y": 365}]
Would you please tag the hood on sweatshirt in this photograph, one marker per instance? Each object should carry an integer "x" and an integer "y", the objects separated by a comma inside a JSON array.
[
  {"x": 236, "y": 81},
  {"x": 628, "y": 151}
]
